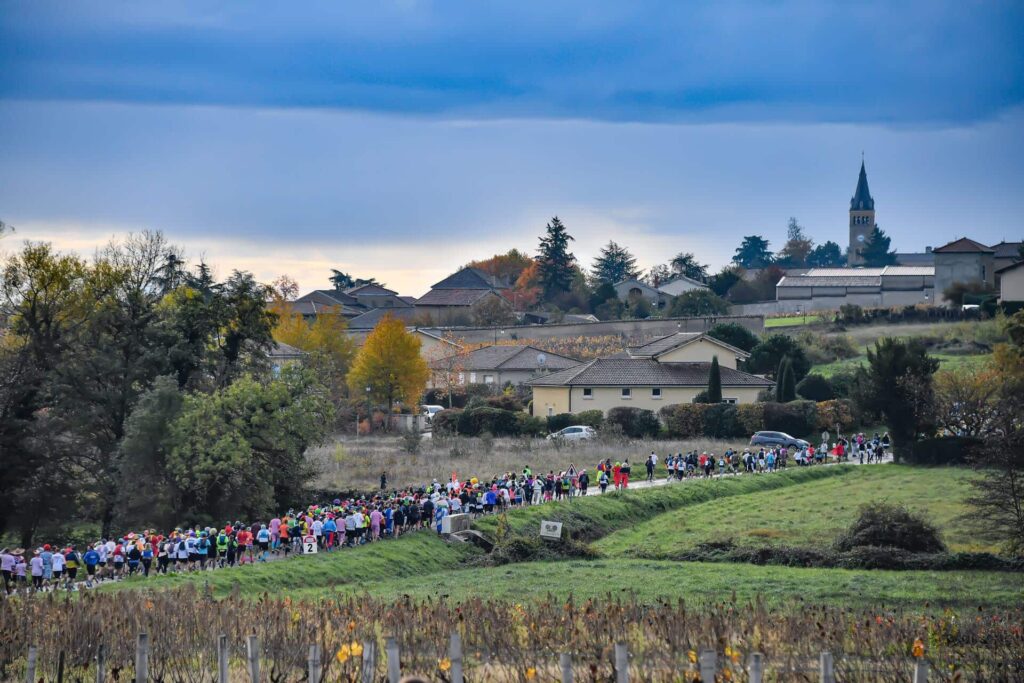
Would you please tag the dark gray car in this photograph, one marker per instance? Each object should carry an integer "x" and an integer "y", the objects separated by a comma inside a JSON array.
[{"x": 777, "y": 439}]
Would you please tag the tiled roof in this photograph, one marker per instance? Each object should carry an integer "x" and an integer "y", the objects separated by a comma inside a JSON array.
[
  {"x": 645, "y": 372},
  {"x": 285, "y": 351},
  {"x": 916, "y": 271},
  {"x": 310, "y": 308},
  {"x": 680, "y": 284},
  {"x": 828, "y": 281},
  {"x": 1012, "y": 266},
  {"x": 675, "y": 340},
  {"x": 926, "y": 258},
  {"x": 841, "y": 272},
  {"x": 370, "y": 290},
  {"x": 452, "y": 297},
  {"x": 471, "y": 278},
  {"x": 964, "y": 246},
  {"x": 327, "y": 297},
  {"x": 369, "y": 320},
  {"x": 1007, "y": 249},
  {"x": 512, "y": 358}
]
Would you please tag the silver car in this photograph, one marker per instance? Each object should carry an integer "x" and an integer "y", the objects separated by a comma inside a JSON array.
[{"x": 574, "y": 433}]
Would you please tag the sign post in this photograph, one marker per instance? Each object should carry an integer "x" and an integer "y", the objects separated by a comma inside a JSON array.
[
  {"x": 551, "y": 530},
  {"x": 309, "y": 545}
]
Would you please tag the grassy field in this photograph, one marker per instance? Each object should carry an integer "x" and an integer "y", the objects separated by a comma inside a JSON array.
[
  {"x": 797, "y": 320},
  {"x": 947, "y": 361},
  {"x": 650, "y": 580},
  {"x": 809, "y": 515},
  {"x": 798, "y": 507}
]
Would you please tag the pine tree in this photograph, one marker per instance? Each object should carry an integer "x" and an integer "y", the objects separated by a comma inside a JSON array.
[
  {"x": 875, "y": 251},
  {"x": 614, "y": 264},
  {"x": 785, "y": 382},
  {"x": 714, "y": 382},
  {"x": 557, "y": 264},
  {"x": 753, "y": 252}
]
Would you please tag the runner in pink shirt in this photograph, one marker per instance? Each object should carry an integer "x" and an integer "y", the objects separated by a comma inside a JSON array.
[{"x": 375, "y": 519}]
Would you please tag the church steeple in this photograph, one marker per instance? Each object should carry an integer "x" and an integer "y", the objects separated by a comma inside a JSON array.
[
  {"x": 862, "y": 200},
  {"x": 862, "y": 218}
]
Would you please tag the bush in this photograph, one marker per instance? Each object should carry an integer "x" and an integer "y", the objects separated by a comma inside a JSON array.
[
  {"x": 590, "y": 418},
  {"x": 796, "y": 418},
  {"x": 949, "y": 450},
  {"x": 529, "y": 425},
  {"x": 702, "y": 397},
  {"x": 635, "y": 422},
  {"x": 505, "y": 402},
  {"x": 766, "y": 356},
  {"x": 750, "y": 417},
  {"x": 722, "y": 422},
  {"x": 882, "y": 525},
  {"x": 684, "y": 420},
  {"x": 446, "y": 421},
  {"x": 494, "y": 421},
  {"x": 411, "y": 442},
  {"x": 842, "y": 383},
  {"x": 815, "y": 388},
  {"x": 838, "y": 411},
  {"x": 734, "y": 334},
  {"x": 560, "y": 421}
]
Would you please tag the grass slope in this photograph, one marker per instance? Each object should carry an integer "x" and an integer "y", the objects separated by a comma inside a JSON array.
[
  {"x": 810, "y": 514},
  {"x": 654, "y": 579},
  {"x": 592, "y": 517},
  {"x": 947, "y": 361},
  {"x": 416, "y": 554}
]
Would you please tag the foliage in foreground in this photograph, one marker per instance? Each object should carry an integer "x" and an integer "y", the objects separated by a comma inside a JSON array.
[{"x": 503, "y": 641}]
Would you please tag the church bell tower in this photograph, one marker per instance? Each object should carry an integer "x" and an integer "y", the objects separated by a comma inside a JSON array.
[{"x": 862, "y": 218}]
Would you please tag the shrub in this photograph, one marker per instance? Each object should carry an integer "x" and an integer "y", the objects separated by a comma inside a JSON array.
[
  {"x": 494, "y": 421},
  {"x": 635, "y": 422},
  {"x": 838, "y": 411},
  {"x": 842, "y": 383},
  {"x": 721, "y": 421},
  {"x": 529, "y": 425},
  {"x": 560, "y": 421},
  {"x": 411, "y": 442},
  {"x": 750, "y": 417},
  {"x": 505, "y": 402},
  {"x": 883, "y": 525},
  {"x": 446, "y": 421},
  {"x": 590, "y": 418},
  {"x": 702, "y": 397},
  {"x": 734, "y": 334},
  {"x": 684, "y": 420},
  {"x": 797, "y": 418},
  {"x": 949, "y": 450},
  {"x": 815, "y": 388},
  {"x": 766, "y": 356}
]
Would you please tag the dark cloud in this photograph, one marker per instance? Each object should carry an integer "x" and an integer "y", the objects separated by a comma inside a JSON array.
[{"x": 931, "y": 61}]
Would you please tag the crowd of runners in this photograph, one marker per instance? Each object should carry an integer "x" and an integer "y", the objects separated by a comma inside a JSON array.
[{"x": 367, "y": 519}]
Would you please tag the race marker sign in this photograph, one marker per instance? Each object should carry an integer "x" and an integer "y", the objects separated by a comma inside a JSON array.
[
  {"x": 551, "y": 530},
  {"x": 309, "y": 545}
]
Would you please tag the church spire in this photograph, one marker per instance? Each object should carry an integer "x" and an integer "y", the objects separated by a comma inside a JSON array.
[{"x": 862, "y": 200}]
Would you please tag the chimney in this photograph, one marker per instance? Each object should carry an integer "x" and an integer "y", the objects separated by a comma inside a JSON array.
[{"x": 927, "y": 250}]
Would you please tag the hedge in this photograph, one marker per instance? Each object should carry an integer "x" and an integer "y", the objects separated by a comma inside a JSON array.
[
  {"x": 635, "y": 422},
  {"x": 590, "y": 418},
  {"x": 950, "y": 450},
  {"x": 560, "y": 421},
  {"x": 723, "y": 421}
]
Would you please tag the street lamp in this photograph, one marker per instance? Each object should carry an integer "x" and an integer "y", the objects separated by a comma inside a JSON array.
[{"x": 369, "y": 416}]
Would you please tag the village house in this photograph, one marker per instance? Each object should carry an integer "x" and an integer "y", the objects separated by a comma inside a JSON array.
[
  {"x": 666, "y": 371},
  {"x": 498, "y": 365},
  {"x": 455, "y": 299}
]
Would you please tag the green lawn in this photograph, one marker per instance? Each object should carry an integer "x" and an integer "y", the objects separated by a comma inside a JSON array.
[
  {"x": 650, "y": 580},
  {"x": 794, "y": 321},
  {"x": 810, "y": 514},
  {"x": 947, "y": 361}
]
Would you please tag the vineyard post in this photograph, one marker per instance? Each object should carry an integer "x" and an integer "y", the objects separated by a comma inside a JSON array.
[
  {"x": 142, "y": 658},
  {"x": 756, "y": 667},
  {"x": 394, "y": 663},
  {"x": 314, "y": 663},
  {"x": 455, "y": 656},
  {"x": 253, "y": 652},
  {"x": 827, "y": 673},
  {"x": 621, "y": 663},
  {"x": 565, "y": 660},
  {"x": 60, "y": 667},
  {"x": 101, "y": 663},
  {"x": 30, "y": 666},
  {"x": 369, "y": 660},
  {"x": 708, "y": 665},
  {"x": 222, "y": 658},
  {"x": 921, "y": 671}
]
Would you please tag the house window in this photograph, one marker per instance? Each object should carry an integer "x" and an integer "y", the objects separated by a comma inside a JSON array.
[
  {"x": 462, "y": 378},
  {"x": 488, "y": 379},
  {"x": 472, "y": 378},
  {"x": 551, "y": 411},
  {"x": 730, "y": 401},
  {"x": 627, "y": 393},
  {"x": 656, "y": 393},
  {"x": 588, "y": 392}
]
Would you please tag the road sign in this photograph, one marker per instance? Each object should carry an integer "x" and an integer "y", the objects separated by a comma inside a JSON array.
[
  {"x": 551, "y": 530},
  {"x": 309, "y": 545}
]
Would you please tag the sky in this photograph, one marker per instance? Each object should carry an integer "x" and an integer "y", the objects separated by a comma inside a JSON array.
[{"x": 401, "y": 140}]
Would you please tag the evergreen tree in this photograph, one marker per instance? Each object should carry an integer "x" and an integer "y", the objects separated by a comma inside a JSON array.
[
  {"x": 687, "y": 264},
  {"x": 798, "y": 246},
  {"x": 555, "y": 261},
  {"x": 753, "y": 252},
  {"x": 875, "y": 251},
  {"x": 714, "y": 382},
  {"x": 827, "y": 255},
  {"x": 789, "y": 384},
  {"x": 614, "y": 264}
]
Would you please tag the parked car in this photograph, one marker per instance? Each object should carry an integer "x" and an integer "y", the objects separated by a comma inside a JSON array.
[
  {"x": 574, "y": 433},
  {"x": 777, "y": 439},
  {"x": 430, "y": 411}
]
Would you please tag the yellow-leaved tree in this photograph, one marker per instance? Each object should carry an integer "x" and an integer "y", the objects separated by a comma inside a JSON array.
[
  {"x": 390, "y": 364},
  {"x": 325, "y": 339}
]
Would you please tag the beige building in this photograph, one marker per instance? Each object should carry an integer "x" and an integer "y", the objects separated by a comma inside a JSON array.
[
  {"x": 963, "y": 261},
  {"x": 498, "y": 365},
  {"x": 1011, "y": 283},
  {"x": 673, "y": 369}
]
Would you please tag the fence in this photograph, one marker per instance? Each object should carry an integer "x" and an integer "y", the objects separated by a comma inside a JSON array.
[{"x": 706, "y": 669}]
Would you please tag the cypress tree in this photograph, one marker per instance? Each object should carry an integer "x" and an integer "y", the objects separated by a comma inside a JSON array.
[
  {"x": 714, "y": 382},
  {"x": 784, "y": 379}
]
